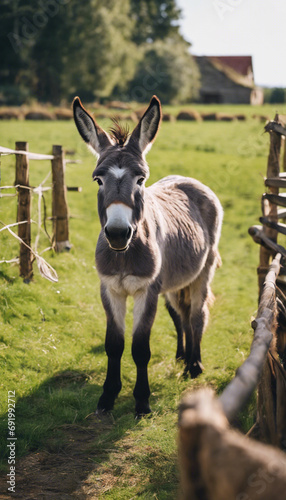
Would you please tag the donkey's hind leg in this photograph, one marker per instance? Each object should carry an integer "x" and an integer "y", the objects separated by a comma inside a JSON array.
[
  {"x": 194, "y": 330},
  {"x": 200, "y": 297},
  {"x": 193, "y": 325},
  {"x": 180, "y": 354}
]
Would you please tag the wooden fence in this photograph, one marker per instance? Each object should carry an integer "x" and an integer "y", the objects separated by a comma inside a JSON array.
[
  {"x": 218, "y": 463},
  {"x": 60, "y": 215}
]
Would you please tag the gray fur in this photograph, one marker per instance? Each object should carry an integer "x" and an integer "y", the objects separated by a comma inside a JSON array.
[{"x": 173, "y": 250}]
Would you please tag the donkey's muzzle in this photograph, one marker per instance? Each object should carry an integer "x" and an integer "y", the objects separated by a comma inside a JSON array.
[{"x": 118, "y": 237}]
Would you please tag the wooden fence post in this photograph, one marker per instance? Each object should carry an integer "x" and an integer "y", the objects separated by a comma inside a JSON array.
[
  {"x": 283, "y": 148},
  {"x": 60, "y": 207},
  {"x": 270, "y": 209},
  {"x": 270, "y": 425},
  {"x": 23, "y": 211}
]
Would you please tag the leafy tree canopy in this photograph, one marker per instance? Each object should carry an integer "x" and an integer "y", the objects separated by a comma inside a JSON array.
[
  {"x": 168, "y": 70},
  {"x": 54, "y": 49},
  {"x": 154, "y": 19}
]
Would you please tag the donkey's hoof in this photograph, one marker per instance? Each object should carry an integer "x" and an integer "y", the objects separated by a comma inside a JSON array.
[
  {"x": 101, "y": 412},
  {"x": 104, "y": 404},
  {"x": 180, "y": 356},
  {"x": 138, "y": 416},
  {"x": 196, "y": 369},
  {"x": 142, "y": 409}
]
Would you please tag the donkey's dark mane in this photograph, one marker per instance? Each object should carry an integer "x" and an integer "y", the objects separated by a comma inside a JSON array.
[{"x": 119, "y": 132}]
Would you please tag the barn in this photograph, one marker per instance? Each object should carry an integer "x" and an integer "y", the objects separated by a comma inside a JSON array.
[{"x": 228, "y": 80}]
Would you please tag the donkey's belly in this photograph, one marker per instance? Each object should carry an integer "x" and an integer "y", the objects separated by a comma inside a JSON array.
[{"x": 181, "y": 276}]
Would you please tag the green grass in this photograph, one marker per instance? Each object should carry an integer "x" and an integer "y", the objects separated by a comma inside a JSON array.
[{"x": 52, "y": 335}]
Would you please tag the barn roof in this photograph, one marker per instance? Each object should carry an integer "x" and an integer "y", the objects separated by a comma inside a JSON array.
[
  {"x": 236, "y": 68},
  {"x": 241, "y": 64}
]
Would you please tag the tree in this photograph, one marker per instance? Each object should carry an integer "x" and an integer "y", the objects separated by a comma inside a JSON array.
[
  {"x": 154, "y": 20},
  {"x": 16, "y": 38},
  {"x": 54, "y": 49},
  {"x": 86, "y": 50},
  {"x": 166, "y": 66},
  {"x": 167, "y": 69},
  {"x": 277, "y": 95}
]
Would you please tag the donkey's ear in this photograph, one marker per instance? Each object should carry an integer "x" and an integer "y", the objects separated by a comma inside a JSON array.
[
  {"x": 145, "y": 132},
  {"x": 95, "y": 137}
]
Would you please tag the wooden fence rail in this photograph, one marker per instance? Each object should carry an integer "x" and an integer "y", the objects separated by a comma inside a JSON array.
[
  {"x": 238, "y": 391},
  {"x": 218, "y": 463},
  {"x": 270, "y": 425}
]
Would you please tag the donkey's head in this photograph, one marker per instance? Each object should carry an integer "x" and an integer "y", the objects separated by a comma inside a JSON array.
[{"x": 121, "y": 170}]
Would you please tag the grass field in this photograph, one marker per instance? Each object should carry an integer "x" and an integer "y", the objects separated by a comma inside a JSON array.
[{"x": 52, "y": 335}]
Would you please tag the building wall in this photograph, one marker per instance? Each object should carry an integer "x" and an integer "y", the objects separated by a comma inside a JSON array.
[
  {"x": 257, "y": 97},
  {"x": 233, "y": 95}
]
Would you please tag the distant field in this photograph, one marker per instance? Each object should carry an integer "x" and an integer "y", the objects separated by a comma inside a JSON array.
[
  {"x": 249, "y": 111},
  {"x": 52, "y": 335},
  {"x": 65, "y": 113}
]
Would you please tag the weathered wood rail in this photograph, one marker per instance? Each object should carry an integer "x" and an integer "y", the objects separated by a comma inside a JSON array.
[
  {"x": 270, "y": 424},
  {"x": 60, "y": 216},
  {"x": 238, "y": 391},
  {"x": 218, "y": 463}
]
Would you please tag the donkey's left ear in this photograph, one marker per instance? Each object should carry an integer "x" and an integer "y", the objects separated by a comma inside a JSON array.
[
  {"x": 95, "y": 137},
  {"x": 145, "y": 132}
]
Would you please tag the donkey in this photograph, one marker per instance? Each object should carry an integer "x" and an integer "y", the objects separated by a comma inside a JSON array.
[{"x": 159, "y": 239}]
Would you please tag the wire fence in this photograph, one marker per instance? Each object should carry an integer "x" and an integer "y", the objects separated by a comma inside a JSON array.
[{"x": 38, "y": 207}]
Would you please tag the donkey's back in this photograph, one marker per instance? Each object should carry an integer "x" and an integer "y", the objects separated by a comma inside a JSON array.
[{"x": 189, "y": 218}]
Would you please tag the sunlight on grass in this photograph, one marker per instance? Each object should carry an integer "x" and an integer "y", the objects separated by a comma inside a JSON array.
[{"x": 52, "y": 335}]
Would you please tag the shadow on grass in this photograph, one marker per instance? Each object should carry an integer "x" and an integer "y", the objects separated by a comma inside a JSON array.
[
  {"x": 98, "y": 349},
  {"x": 6, "y": 278},
  {"x": 61, "y": 442}
]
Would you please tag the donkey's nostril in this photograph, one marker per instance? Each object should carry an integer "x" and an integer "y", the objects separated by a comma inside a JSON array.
[
  {"x": 118, "y": 232},
  {"x": 106, "y": 232}
]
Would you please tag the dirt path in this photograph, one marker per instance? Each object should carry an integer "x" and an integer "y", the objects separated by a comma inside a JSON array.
[{"x": 63, "y": 475}]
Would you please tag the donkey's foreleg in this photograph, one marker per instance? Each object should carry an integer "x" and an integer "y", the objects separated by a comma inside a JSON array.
[
  {"x": 145, "y": 306},
  {"x": 115, "y": 308}
]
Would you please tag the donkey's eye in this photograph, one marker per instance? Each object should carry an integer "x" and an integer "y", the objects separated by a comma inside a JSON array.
[
  {"x": 99, "y": 181},
  {"x": 140, "y": 181}
]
